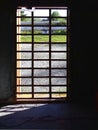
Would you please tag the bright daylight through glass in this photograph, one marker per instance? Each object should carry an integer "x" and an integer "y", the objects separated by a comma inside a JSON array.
[{"x": 42, "y": 53}]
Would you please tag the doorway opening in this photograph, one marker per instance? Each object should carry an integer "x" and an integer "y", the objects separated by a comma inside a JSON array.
[{"x": 42, "y": 53}]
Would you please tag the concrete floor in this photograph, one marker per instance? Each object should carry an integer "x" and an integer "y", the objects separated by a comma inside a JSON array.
[{"x": 48, "y": 116}]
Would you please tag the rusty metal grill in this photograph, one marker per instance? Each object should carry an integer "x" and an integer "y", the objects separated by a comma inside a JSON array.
[{"x": 42, "y": 54}]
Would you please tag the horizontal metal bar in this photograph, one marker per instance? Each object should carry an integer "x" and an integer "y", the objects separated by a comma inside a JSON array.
[
  {"x": 40, "y": 25},
  {"x": 43, "y": 51},
  {"x": 52, "y": 25},
  {"x": 59, "y": 51},
  {"x": 48, "y": 68},
  {"x": 41, "y": 59},
  {"x": 50, "y": 43},
  {"x": 23, "y": 17},
  {"x": 41, "y": 43},
  {"x": 41, "y": 77},
  {"x": 23, "y": 60},
  {"x": 40, "y": 68},
  {"x": 64, "y": 85},
  {"x": 41, "y": 17},
  {"x": 24, "y": 25},
  {"x": 44, "y": 85},
  {"x": 51, "y": 34},
  {"x": 23, "y": 51},
  {"x": 50, "y": 17},
  {"x": 24, "y": 42},
  {"x": 23, "y": 77},
  {"x": 52, "y": 85},
  {"x": 50, "y": 51},
  {"x": 24, "y": 34},
  {"x": 48, "y": 59},
  {"x": 23, "y": 85},
  {"x": 41, "y": 86},
  {"x": 24, "y": 68},
  {"x": 41, "y": 93},
  {"x": 51, "y": 59}
]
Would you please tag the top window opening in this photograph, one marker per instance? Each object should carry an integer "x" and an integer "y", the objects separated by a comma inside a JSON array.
[
  {"x": 44, "y": 11},
  {"x": 42, "y": 53}
]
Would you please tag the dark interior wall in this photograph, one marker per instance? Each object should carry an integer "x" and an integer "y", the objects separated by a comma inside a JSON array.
[
  {"x": 83, "y": 48},
  {"x": 4, "y": 57},
  {"x": 7, "y": 39},
  {"x": 83, "y": 64}
]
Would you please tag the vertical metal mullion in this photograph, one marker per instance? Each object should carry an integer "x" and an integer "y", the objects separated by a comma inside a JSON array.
[
  {"x": 15, "y": 54},
  {"x": 50, "y": 53},
  {"x": 32, "y": 54},
  {"x": 67, "y": 52}
]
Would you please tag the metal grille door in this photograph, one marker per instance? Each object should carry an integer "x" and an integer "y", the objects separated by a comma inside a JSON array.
[{"x": 42, "y": 54}]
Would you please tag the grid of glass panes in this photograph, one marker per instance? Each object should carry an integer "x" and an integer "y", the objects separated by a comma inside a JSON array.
[{"x": 41, "y": 53}]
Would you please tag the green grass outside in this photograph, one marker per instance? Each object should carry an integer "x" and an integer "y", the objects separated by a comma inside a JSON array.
[{"x": 44, "y": 38}]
